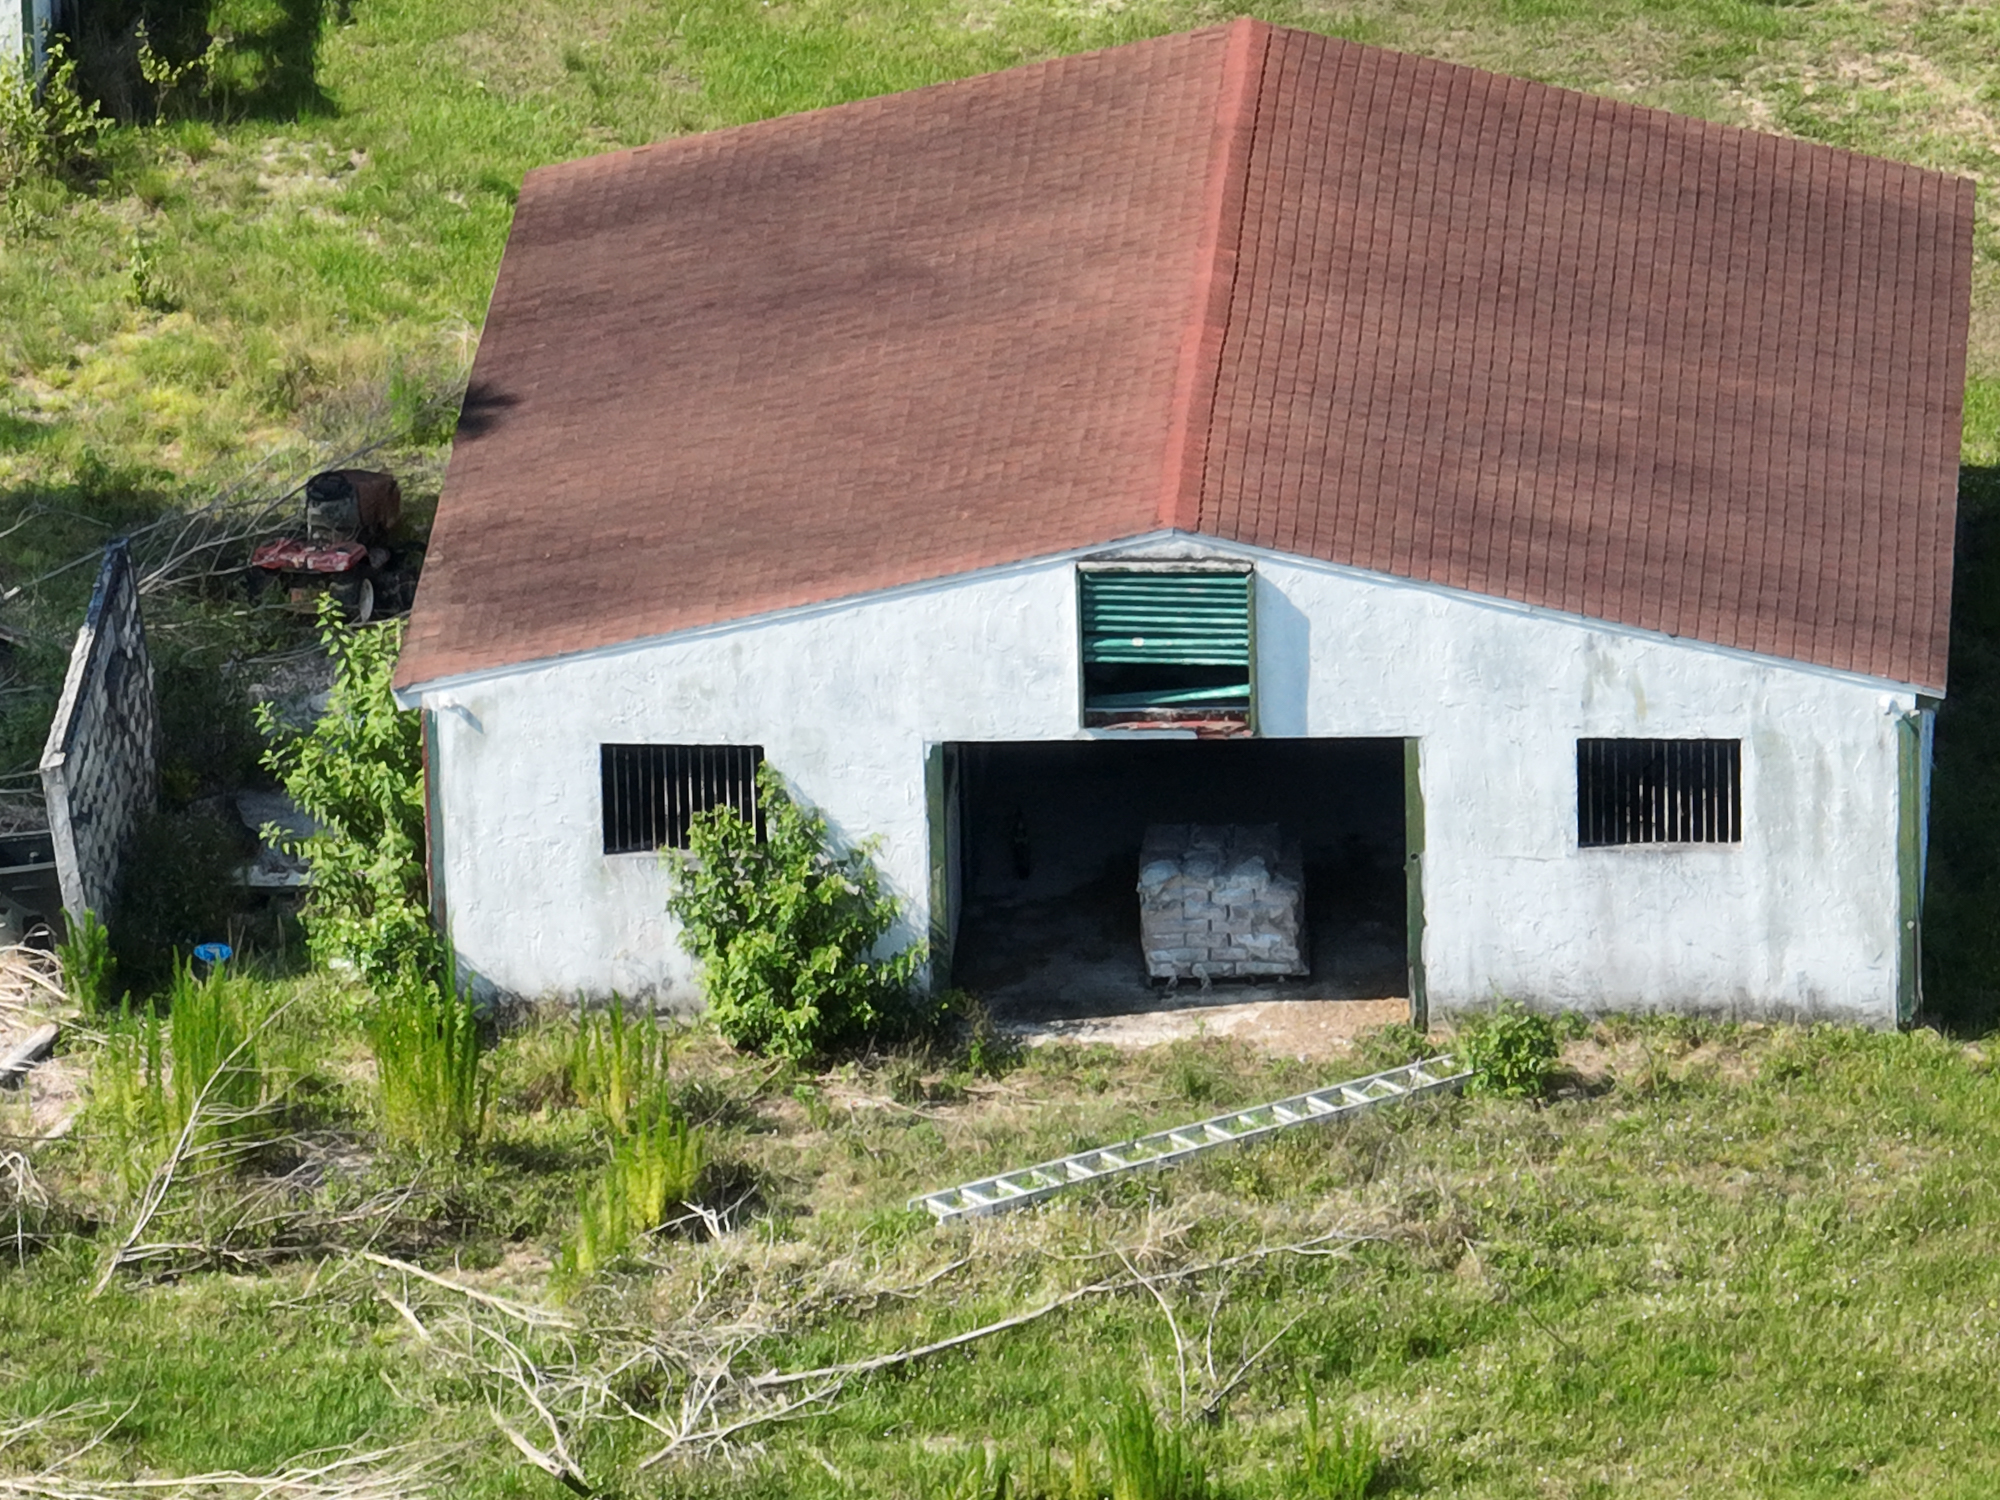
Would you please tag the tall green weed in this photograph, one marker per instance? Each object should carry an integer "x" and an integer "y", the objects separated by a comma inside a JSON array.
[
  {"x": 1334, "y": 1464},
  {"x": 89, "y": 972},
  {"x": 618, "y": 1064},
  {"x": 655, "y": 1166},
  {"x": 431, "y": 1086},
  {"x": 1148, "y": 1460},
  {"x": 191, "y": 1071}
]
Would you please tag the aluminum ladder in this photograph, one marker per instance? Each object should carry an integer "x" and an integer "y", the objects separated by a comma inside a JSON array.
[{"x": 989, "y": 1195}]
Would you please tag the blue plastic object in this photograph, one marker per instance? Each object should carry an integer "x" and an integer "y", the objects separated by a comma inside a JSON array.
[{"x": 214, "y": 953}]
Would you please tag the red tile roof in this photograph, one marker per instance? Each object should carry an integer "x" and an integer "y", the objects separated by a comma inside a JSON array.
[{"x": 1246, "y": 282}]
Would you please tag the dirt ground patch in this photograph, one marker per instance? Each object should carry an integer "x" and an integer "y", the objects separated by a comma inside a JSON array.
[{"x": 1305, "y": 1029}]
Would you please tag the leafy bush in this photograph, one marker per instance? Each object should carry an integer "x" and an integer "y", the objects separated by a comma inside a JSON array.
[
  {"x": 359, "y": 773},
  {"x": 89, "y": 971},
  {"x": 1336, "y": 1465},
  {"x": 784, "y": 929},
  {"x": 1510, "y": 1051},
  {"x": 432, "y": 1089},
  {"x": 658, "y": 1164},
  {"x": 48, "y": 132},
  {"x": 1147, "y": 1461}
]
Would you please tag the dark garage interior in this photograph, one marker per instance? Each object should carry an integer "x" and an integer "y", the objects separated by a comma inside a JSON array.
[{"x": 1048, "y": 846}]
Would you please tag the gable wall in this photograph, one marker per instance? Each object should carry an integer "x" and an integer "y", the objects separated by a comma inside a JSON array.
[{"x": 1798, "y": 919}]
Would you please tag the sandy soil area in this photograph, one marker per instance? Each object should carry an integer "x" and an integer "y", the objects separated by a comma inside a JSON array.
[{"x": 1305, "y": 1029}]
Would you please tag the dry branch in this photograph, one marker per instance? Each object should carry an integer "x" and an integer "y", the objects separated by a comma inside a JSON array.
[
  {"x": 163, "y": 1179},
  {"x": 772, "y": 1380},
  {"x": 520, "y": 1312},
  {"x": 399, "y": 1473}
]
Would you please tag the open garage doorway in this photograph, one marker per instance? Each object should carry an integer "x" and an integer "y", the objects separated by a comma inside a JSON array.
[{"x": 1045, "y": 858}]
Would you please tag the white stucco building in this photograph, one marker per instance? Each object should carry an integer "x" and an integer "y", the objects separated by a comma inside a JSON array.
[{"x": 1538, "y": 508}]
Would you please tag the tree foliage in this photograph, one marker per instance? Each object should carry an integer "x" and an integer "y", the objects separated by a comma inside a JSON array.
[
  {"x": 358, "y": 772},
  {"x": 785, "y": 929},
  {"x": 47, "y": 129}
]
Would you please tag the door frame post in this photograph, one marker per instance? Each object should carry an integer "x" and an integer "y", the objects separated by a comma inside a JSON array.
[{"x": 1413, "y": 872}]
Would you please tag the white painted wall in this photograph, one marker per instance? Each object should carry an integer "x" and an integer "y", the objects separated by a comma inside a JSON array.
[
  {"x": 24, "y": 30},
  {"x": 13, "y": 39},
  {"x": 1798, "y": 919}
]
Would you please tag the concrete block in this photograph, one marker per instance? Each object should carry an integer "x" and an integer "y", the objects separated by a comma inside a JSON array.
[{"x": 1233, "y": 894}]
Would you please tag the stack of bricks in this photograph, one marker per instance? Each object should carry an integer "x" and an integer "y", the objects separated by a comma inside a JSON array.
[{"x": 1220, "y": 902}]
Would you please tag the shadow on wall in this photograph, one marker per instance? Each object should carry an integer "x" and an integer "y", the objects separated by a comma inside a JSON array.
[{"x": 1962, "y": 901}]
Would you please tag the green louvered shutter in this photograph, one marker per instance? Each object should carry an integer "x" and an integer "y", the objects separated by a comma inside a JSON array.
[{"x": 1165, "y": 640}]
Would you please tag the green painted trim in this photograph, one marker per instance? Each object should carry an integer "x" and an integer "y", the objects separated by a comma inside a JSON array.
[
  {"x": 935, "y": 813},
  {"x": 1413, "y": 870},
  {"x": 1909, "y": 870},
  {"x": 1250, "y": 628}
]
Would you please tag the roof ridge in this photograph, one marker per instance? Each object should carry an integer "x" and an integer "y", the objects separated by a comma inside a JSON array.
[{"x": 1200, "y": 363}]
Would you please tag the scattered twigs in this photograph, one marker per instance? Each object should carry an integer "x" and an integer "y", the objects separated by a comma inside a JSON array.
[
  {"x": 14, "y": 1433},
  {"x": 520, "y": 1312},
  {"x": 1318, "y": 1245},
  {"x": 692, "y": 1385},
  {"x": 383, "y": 1474},
  {"x": 526, "y": 1377},
  {"x": 29, "y": 979},
  {"x": 1219, "y": 1389},
  {"x": 184, "y": 545},
  {"x": 163, "y": 1179},
  {"x": 1173, "y": 1327},
  {"x": 694, "y": 1440}
]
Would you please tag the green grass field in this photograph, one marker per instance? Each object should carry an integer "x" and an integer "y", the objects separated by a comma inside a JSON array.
[{"x": 1719, "y": 1261}]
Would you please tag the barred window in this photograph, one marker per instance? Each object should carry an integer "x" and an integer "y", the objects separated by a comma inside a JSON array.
[
  {"x": 1659, "y": 792},
  {"x": 652, "y": 792}
]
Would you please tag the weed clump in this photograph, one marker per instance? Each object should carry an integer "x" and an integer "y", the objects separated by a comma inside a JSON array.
[
  {"x": 618, "y": 1067},
  {"x": 89, "y": 970},
  {"x": 1335, "y": 1464},
  {"x": 1149, "y": 1461},
  {"x": 193, "y": 1078},
  {"x": 1510, "y": 1051},
  {"x": 618, "y": 1071},
  {"x": 660, "y": 1163},
  {"x": 432, "y": 1089}
]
